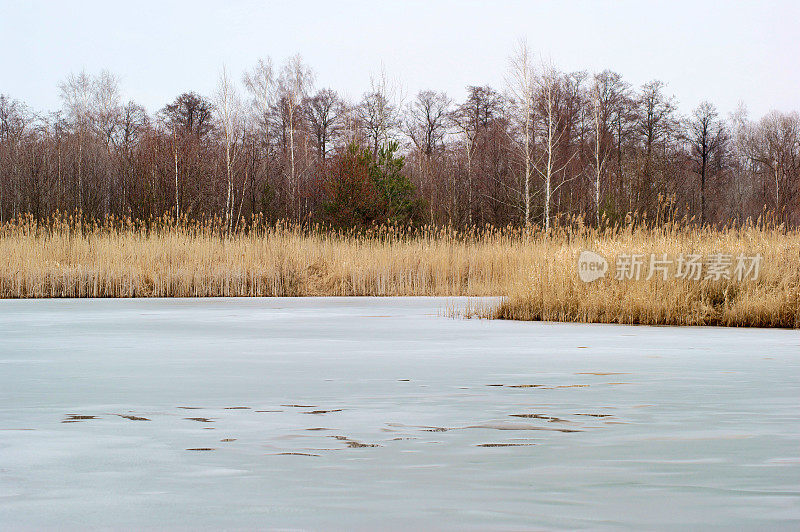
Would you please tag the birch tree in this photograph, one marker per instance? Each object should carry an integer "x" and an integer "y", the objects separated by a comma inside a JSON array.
[
  {"x": 294, "y": 83},
  {"x": 774, "y": 145},
  {"x": 76, "y": 95},
  {"x": 260, "y": 84},
  {"x": 548, "y": 82},
  {"x": 106, "y": 111},
  {"x": 521, "y": 84},
  {"x": 606, "y": 95},
  {"x": 229, "y": 109}
]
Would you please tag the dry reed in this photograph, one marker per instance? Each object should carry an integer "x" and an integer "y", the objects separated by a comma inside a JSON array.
[
  {"x": 536, "y": 271},
  {"x": 551, "y": 290}
]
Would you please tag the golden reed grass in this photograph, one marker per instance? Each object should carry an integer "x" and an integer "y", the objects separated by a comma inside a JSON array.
[
  {"x": 551, "y": 290},
  {"x": 535, "y": 271}
]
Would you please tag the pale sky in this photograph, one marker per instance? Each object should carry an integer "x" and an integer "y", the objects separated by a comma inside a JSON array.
[{"x": 726, "y": 51}]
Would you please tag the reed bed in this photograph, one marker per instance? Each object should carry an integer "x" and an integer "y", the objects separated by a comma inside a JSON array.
[
  {"x": 550, "y": 289},
  {"x": 535, "y": 271},
  {"x": 62, "y": 259}
]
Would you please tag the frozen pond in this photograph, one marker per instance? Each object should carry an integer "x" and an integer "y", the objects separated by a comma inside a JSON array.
[{"x": 383, "y": 414}]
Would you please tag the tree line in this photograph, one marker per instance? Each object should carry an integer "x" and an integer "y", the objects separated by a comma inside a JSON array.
[{"x": 275, "y": 144}]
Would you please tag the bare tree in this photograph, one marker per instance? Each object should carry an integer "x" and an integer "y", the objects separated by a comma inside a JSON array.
[
  {"x": 426, "y": 123},
  {"x": 559, "y": 144},
  {"x": 189, "y": 118},
  {"x": 133, "y": 125},
  {"x": 106, "y": 110},
  {"x": 229, "y": 109},
  {"x": 189, "y": 113},
  {"x": 325, "y": 113},
  {"x": 106, "y": 105},
  {"x": 378, "y": 111},
  {"x": 473, "y": 119},
  {"x": 427, "y": 120},
  {"x": 521, "y": 84},
  {"x": 549, "y": 88},
  {"x": 774, "y": 145},
  {"x": 15, "y": 120},
  {"x": 76, "y": 95},
  {"x": 702, "y": 132},
  {"x": 741, "y": 185},
  {"x": 262, "y": 88},
  {"x": 294, "y": 82},
  {"x": 655, "y": 124},
  {"x": 606, "y": 95},
  {"x": 656, "y": 112},
  {"x": 260, "y": 83}
]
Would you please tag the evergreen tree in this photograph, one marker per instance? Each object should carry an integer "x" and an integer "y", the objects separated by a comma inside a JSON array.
[{"x": 363, "y": 190}]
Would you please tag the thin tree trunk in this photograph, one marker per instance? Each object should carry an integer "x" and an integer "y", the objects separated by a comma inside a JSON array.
[
  {"x": 527, "y": 165},
  {"x": 177, "y": 203}
]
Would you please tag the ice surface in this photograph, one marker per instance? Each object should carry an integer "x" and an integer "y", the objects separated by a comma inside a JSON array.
[{"x": 363, "y": 413}]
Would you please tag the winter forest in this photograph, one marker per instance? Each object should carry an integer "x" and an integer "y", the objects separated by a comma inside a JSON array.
[{"x": 275, "y": 143}]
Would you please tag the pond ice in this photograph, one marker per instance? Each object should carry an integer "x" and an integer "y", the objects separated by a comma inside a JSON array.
[{"x": 361, "y": 413}]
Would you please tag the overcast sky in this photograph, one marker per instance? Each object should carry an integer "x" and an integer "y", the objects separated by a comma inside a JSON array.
[{"x": 726, "y": 51}]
